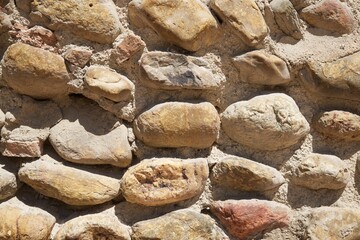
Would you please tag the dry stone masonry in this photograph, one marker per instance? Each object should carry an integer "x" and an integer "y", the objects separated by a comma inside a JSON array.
[{"x": 179, "y": 120}]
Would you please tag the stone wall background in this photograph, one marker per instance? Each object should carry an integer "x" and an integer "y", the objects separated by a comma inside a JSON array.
[{"x": 96, "y": 43}]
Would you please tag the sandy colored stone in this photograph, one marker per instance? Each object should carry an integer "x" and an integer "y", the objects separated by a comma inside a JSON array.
[
  {"x": 127, "y": 48},
  {"x": 245, "y": 17},
  {"x": 163, "y": 70},
  {"x": 245, "y": 175},
  {"x": 35, "y": 72},
  {"x": 318, "y": 171},
  {"x": 178, "y": 124},
  {"x": 266, "y": 122},
  {"x": 300, "y": 4},
  {"x": 8, "y": 184},
  {"x": 78, "y": 56},
  {"x": 181, "y": 224},
  {"x": 93, "y": 227},
  {"x": 68, "y": 184},
  {"x": 260, "y": 67},
  {"x": 338, "y": 124},
  {"x": 94, "y": 20},
  {"x": 106, "y": 82},
  {"x": 246, "y": 219},
  {"x": 188, "y": 24},
  {"x": 156, "y": 182},
  {"x": 2, "y": 119},
  {"x": 5, "y": 22}
]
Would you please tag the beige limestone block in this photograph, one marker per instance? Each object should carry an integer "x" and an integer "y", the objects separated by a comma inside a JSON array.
[{"x": 8, "y": 184}]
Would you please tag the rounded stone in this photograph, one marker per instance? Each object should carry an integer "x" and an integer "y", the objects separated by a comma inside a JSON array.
[{"x": 8, "y": 184}]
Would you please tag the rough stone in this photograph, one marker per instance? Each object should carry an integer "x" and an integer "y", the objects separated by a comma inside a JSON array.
[
  {"x": 67, "y": 184},
  {"x": 338, "y": 124},
  {"x": 2, "y": 119},
  {"x": 35, "y": 72},
  {"x": 331, "y": 15},
  {"x": 183, "y": 224},
  {"x": 287, "y": 18},
  {"x": 245, "y": 175},
  {"x": 78, "y": 56},
  {"x": 318, "y": 171},
  {"x": 172, "y": 71},
  {"x": 259, "y": 67},
  {"x": 156, "y": 182},
  {"x": 267, "y": 122},
  {"x": 245, "y": 17},
  {"x": 104, "y": 82},
  {"x": 245, "y": 219},
  {"x": 93, "y": 226},
  {"x": 8, "y": 184},
  {"x": 127, "y": 48},
  {"x": 94, "y": 20},
  {"x": 300, "y": 4},
  {"x": 178, "y": 124},
  {"x": 23, "y": 5},
  {"x": 334, "y": 223},
  {"x": 5, "y": 23},
  {"x": 105, "y": 139},
  {"x": 188, "y": 24},
  {"x": 27, "y": 128}
]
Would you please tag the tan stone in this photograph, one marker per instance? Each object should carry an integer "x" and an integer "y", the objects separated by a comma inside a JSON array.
[
  {"x": 127, "y": 48},
  {"x": 8, "y": 184},
  {"x": 2, "y": 119},
  {"x": 67, "y": 184},
  {"x": 188, "y": 24},
  {"x": 260, "y": 67},
  {"x": 94, "y": 20},
  {"x": 156, "y": 182},
  {"x": 245, "y": 175},
  {"x": 300, "y": 4},
  {"x": 35, "y": 72},
  {"x": 245, "y": 17},
  {"x": 5, "y": 23},
  {"x": 178, "y": 124},
  {"x": 78, "y": 56}
]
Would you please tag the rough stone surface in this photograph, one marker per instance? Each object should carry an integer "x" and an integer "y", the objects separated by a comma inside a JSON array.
[
  {"x": 67, "y": 184},
  {"x": 331, "y": 15},
  {"x": 8, "y": 184},
  {"x": 260, "y": 67},
  {"x": 300, "y": 4},
  {"x": 267, "y": 122},
  {"x": 127, "y": 48},
  {"x": 5, "y": 22},
  {"x": 178, "y": 124},
  {"x": 176, "y": 71},
  {"x": 195, "y": 26},
  {"x": 93, "y": 226},
  {"x": 245, "y": 175},
  {"x": 245, "y": 17},
  {"x": 2, "y": 119},
  {"x": 318, "y": 171},
  {"x": 338, "y": 124},
  {"x": 156, "y": 182},
  {"x": 181, "y": 224},
  {"x": 78, "y": 56},
  {"x": 94, "y": 20},
  {"x": 35, "y": 72},
  {"x": 245, "y": 219}
]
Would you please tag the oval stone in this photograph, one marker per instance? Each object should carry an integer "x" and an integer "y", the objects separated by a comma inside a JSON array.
[{"x": 8, "y": 184}]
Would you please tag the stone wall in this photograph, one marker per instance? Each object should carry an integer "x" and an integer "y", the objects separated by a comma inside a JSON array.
[{"x": 174, "y": 120}]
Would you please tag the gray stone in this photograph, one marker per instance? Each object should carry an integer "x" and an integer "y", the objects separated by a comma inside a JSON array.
[{"x": 8, "y": 184}]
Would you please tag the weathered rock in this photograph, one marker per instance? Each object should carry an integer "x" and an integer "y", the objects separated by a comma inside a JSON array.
[
  {"x": 2, "y": 119},
  {"x": 338, "y": 124},
  {"x": 259, "y": 67},
  {"x": 93, "y": 226},
  {"x": 8, "y": 184},
  {"x": 94, "y": 20},
  {"x": 268, "y": 122},
  {"x": 67, "y": 184},
  {"x": 334, "y": 223},
  {"x": 245, "y": 17},
  {"x": 5, "y": 23},
  {"x": 188, "y": 24},
  {"x": 318, "y": 171},
  {"x": 35, "y": 72},
  {"x": 27, "y": 128},
  {"x": 24, "y": 222},
  {"x": 246, "y": 219},
  {"x": 178, "y": 124},
  {"x": 156, "y": 182},
  {"x": 181, "y": 224},
  {"x": 78, "y": 56},
  {"x": 331, "y": 15},
  {"x": 101, "y": 81},
  {"x": 127, "y": 48},
  {"x": 176, "y": 71},
  {"x": 300, "y": 4},
  {"x": 23, "y": 5},
  {"x": 287, "y": 18},
  {"x": 245, "y": 175},
  {"x": 88, "y": 138}
]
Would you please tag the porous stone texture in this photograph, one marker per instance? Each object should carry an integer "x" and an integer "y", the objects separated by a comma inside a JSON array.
[
  {"x": 8, "y": 184},
  {"x": 156, "y": 182},
  {"x": 267, "y": 122},
  {"x": 178, "y": 124},
  {"x": 260, "y": 67},
  {"x": 68, "y": 184},
  {"x": 245, "y": 175},
  {"x": 318, "y": 171}
]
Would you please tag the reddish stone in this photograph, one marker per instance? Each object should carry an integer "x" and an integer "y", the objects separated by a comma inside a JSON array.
[
  {"x": 78, "y": 56},
  {"x": 247, "y": 218},
  {"x": 23, "y": 148},
  {"x": 127, "y": 48}
]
